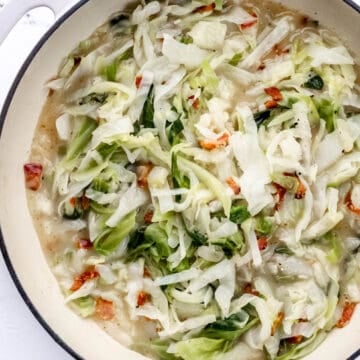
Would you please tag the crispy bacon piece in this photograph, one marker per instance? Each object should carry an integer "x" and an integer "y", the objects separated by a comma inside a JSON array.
[
  {"x": 249, "y": 23},
  {"x": 222, "y": 140},
  {"x": 81, "y": 279},
  {"x": 271, "y": 104},
  {"x": 346, "y": 315},
  {"x": 148, "y": 216},
  {"x": 348, "y": 202},
  {"x": 280, "y": 192},
  {"x": 279, "y": 51},
  {"x": 195, "y": 103},
  {"x": 277, "y": 322},
  {"x": 262, "y": 243},
  {"x": 85, "y": 202},
  {"x": 233, "y": 184},
  {"x": 146, "y": 273},
  {"x": 142, "y": 172},
  {"x": 204, "y": 8},
  {"x": 33, "y": 174},
  {"x": 301, "y": 189},
  {"x": 104, "y": 309},
  {"x": 248, "y": 289},
  {"x": 274, "y": 92},
  {"x": 142, "y": 298},
  {"x": 85, "y": 244},
  {"x": 295, "y": 339},
  {"x": 138, "y": 81},
  {"x": 276, "y": 96}
]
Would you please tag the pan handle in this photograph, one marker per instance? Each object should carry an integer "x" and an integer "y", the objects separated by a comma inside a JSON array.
[{"x": 14, "y": 10}]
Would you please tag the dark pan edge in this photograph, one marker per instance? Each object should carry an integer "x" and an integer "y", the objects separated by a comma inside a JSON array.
[
  {"x": 353, "y": 4},
  {"x": 3, "y": 114}
]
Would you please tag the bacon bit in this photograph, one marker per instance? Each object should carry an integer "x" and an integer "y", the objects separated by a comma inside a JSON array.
[
  {"x": 72, "y": 201},
  {"x": 280, "y": 192},
  {"x": 248, "y": 289},
  {"x": 85, "y": 244},
  {"x": 204, "y": 8},
  {"x": 81, "y": 279},
  {"x": 262, "y": 243},
  {"x": 33, "y": 173},
  {"x": 223, "y": 140},
  {"x": 104, "y": 309},
  {"x": 146, "y": 273},
  {"x": 142, "y": 172},
  {"x": 348, "y": 202},
  {"x": 142, "y": 298},
  {"x": 277, "y": 322},
  {"x": 346, "y": 315},
  {"x": 279, "y": 51},
  {"x": 274, "y": 92},
  {"x": 262, "y": 67},
  {"x": 301, "y": 189},
  {"x": 195, "y": 103},
  {"x": 234, "y": 186},
  {"x": 248, "y": 24},
  {"x": 148, "y": 216},
  {"x": 271, "y": 104},
  {"x": 85, "y": 202},
  {"x": 295, "y": 339},
  {"x": 138, "y": 80},
  {"x": 304, "y": 20}
]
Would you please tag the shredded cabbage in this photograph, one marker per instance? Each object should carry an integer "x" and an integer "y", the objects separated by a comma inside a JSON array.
[{"x": 206, "y": 180}]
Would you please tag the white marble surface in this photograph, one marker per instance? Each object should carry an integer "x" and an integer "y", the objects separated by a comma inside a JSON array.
[{"x": 21, "y": 336}]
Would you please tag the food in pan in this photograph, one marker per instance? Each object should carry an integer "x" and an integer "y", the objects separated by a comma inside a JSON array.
[{"x": 194, "y": 180}]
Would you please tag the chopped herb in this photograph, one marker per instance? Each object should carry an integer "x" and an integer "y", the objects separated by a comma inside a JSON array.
[
  {"x": 261, "y": 116},
  {"x": 230, "y": 245},
  {"x": 197, "y": 237},
  {"x": 239, "y": 213},
  {"x": 147, "y": 116},
  {"x": 231, "y": 327},
  {"x": 282, "y": 249},
  {"x": 186, "y": 39},
  {"x": 174, "y": 131},
  {"x": 316, "y": 82},
  {"x": 234, "y": 61}
]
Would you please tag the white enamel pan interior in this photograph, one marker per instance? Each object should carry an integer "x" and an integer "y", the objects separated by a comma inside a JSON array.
[{"x": 19, "y": 244}]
